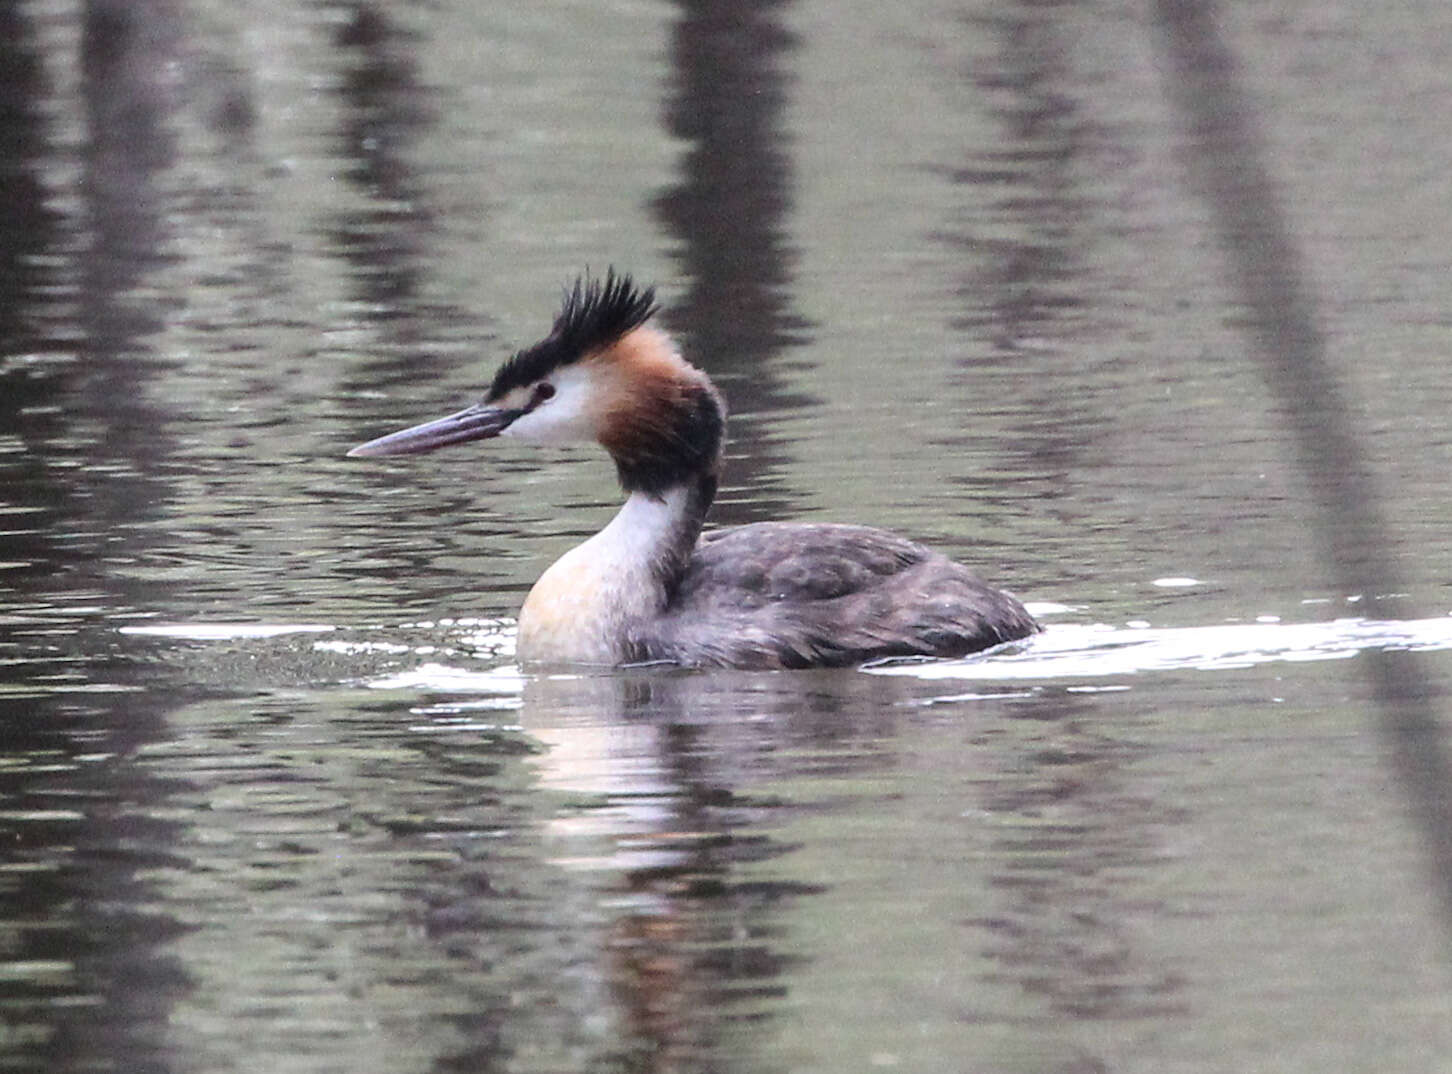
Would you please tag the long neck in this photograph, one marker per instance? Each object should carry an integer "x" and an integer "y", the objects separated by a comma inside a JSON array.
[
  {"x": 587, "y": 606},
  {"x": 663, "y": 424},
  {"x": 654, "y": 534}
]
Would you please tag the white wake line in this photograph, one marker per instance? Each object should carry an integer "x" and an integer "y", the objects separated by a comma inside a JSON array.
[
  {"x": 1065, "y": 650},
  {"x": 225, "y": 631},
  {"x": 1068, "y": 651}
]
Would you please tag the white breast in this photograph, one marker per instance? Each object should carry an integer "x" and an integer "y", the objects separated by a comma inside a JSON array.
[{"x": 584, "y": 606}]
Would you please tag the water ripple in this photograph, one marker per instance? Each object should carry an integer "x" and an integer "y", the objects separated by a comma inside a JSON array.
[{"x": 1099, "y": 650}]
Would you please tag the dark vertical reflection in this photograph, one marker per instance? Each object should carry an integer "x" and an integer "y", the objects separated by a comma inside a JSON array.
[
  {"x": 1025, "y": 297},
  {"x": 386, "y": 246},
  {"x": 728, "y": 210},
  {"x": 704, "y": 946},
  {"x": 1225, "y": 154},
  {"x": 128, "y": 54},
  {"x": 1027, "y": 291},
  {"x": 93, "y": 990},
  {"x": 30, "y": 269},
  {"x": 27, "y": 225},
  {"x": 81, "y": 835},
  {"x": 386, "y": 240},
  {"x": 1063, "y": 930},
  {"x": 71, "y": 317},
  {"x": 382, "y": 115},
  {"x": 1056, "y": 929},
  {"x": 32, "y": 732}
]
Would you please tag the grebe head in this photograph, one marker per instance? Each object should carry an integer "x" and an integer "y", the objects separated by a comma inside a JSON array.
[{"x": 604, "y": 373}]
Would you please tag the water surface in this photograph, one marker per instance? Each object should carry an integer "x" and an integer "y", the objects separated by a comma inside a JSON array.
[{"x": 273, "y": 794}]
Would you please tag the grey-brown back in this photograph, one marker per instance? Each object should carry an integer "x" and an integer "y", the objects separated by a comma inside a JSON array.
[{"x": 791, "y": 595}]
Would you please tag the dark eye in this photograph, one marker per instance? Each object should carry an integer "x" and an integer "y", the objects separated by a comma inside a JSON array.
[{"x": 541, "y": 393}]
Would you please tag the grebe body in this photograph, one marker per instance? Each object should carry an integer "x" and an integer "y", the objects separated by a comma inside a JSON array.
[{"x": 650, "y": 587}]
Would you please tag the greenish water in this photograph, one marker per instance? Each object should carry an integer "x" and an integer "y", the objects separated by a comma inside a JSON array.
[{"x": 274, "y": 797}]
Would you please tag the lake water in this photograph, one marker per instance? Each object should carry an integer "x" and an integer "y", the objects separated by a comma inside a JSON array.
[{"x": 1142, "y": 312}]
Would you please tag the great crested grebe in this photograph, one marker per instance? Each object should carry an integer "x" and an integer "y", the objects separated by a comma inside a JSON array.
[{"x": 650, "y": 586}]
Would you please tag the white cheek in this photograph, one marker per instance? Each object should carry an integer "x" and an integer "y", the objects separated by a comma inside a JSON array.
[{"x": 564, "y": 419}]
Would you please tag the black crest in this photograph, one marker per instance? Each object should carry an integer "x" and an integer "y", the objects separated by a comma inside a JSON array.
[{"x": 596, "y": 313}]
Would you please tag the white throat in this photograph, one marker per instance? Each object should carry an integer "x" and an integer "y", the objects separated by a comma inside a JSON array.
[{"x": 584, "y": 607}]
